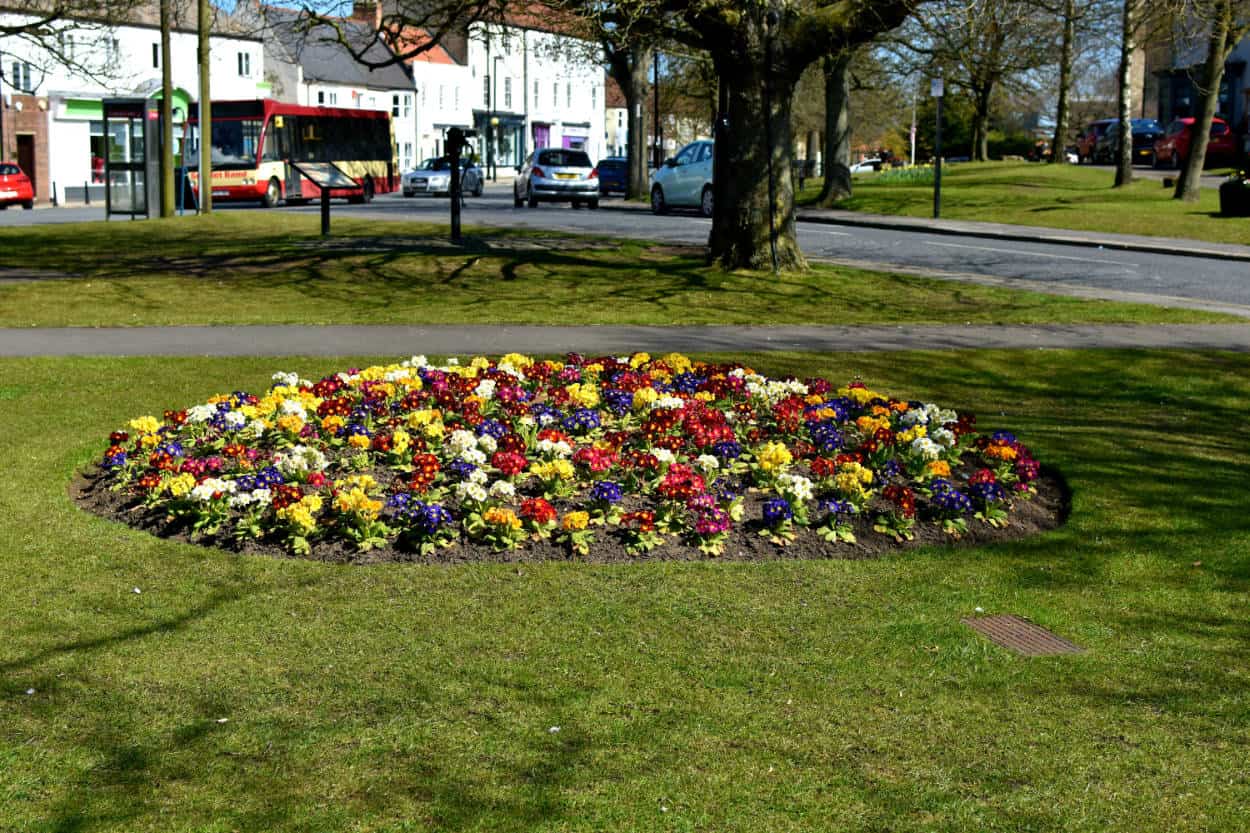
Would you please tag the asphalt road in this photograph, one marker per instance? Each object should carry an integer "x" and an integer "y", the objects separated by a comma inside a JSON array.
[{"x": 1173, "y": 280}]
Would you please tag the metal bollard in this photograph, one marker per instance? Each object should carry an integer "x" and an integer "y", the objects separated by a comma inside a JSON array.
[
  {"x": 86, "y": 193},
  {"x": 54, "y": 200}
]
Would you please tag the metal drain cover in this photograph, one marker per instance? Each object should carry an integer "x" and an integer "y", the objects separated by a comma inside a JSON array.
[{"x": 1021, "y": 635}]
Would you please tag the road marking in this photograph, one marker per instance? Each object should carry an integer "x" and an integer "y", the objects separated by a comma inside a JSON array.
[
  {"x": 825, "y": 231},
  {"x": 1031, "y": 254}
]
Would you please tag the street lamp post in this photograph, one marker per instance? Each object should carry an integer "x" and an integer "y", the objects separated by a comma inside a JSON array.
[{"x": 494, "y": 120}]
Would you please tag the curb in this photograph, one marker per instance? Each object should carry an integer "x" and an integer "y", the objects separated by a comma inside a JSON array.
[{"x": 1034, "y": 235}]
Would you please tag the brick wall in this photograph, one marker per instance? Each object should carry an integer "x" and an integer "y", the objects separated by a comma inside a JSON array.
[{"x": 31, "y": 119}]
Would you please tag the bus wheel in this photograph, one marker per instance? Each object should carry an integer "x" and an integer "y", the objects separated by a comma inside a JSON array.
[{"x": 273, "y": 193}]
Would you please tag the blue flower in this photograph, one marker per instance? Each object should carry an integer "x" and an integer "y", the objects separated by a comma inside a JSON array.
[
  {"x": 1003, "y": 436},
  {"x": 826, "y": 436},
  {"x": 688, "y": 382},
  {"x": 988, "y": 493},
  {"x": 837, "y": 507},
  {"x": 115, "y": 460},
  {"x": 727, "y": 450},
  {"x": 493, "y": 427},
  {"x": 776, "y": 511},
  {"x": 460, "y": 469},
  {"x": 605, "y": 491},
  {"x": 618, "y": 401},
  {"x": 172, "y": 448},
  {"x": 269, "y": 477},
  {"x": 582, "y": 421},
  {"x": 890, "y": 468},
  {"x": 947, "y": 499}
]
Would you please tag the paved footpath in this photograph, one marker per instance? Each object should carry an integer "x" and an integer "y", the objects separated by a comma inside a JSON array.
[{"x": 492, "y": 339}]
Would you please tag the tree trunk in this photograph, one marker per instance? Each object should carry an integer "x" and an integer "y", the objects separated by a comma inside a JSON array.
[
  {"x": 628, "y": 66},
  {"x": 1060, "y": 142},
  {"x": 981, "y": 122},
  {"x": 837, "y": 185},
  {"x": 744, "y": 229},
  {"x": 1189, "y": 186},
  {"x": 167, "y": 115},
  {"x": 1124, "y": 138},
  {"x": 204, "y": 22}
]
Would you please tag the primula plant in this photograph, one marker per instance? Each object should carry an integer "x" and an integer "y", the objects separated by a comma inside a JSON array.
[{"x": 503, "y": 454}]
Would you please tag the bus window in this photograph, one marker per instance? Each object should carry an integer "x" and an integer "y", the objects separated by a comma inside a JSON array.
[
  {"x": 236, "y": 143},
  {"x": 277, "y": 142}
]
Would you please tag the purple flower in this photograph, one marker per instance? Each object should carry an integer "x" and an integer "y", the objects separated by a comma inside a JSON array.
[
  {"x": 712, "y": 521},
  {"x": 605, "y": 491},
  {"x": 776, "y": 511}
]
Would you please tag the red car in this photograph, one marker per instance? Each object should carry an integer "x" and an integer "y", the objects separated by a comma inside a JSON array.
[
  {"x": 15, "y": 187},
  {"x": 1173, "y": 149}
]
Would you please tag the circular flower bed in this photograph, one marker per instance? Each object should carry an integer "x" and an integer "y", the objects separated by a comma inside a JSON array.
[{"x": 606, "y": 458}]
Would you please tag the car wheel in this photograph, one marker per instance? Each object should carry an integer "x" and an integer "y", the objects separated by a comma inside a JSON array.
[
  {"x": 517, "y": 202},
  {"x": 594, "y": 204},
  {"x": 706, "y": 204},
  {"x": 576, "y": 204},
  {"x": 28, "y": 205},
  {"x": 658, "y": 206},
  {"x": 477, "y": 191},
  {"x": 530, "y": 199},
  {"x": 273, "y": 193},
  {"x": 1154, "y": 160}
]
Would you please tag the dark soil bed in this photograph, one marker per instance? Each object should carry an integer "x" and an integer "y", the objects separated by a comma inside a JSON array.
[{"x": 1047, "y": 510}]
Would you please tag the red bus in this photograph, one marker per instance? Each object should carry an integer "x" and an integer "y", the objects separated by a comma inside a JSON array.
[{"x": 255, "y": 142}]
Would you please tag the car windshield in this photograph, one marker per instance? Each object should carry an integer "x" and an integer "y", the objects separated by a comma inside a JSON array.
[
  {"x": 9, "y": 170},
  {"x": 1141, "y": 125},
  {"x": 564, "y": 159},
  {"x": 439, "y": 164}
]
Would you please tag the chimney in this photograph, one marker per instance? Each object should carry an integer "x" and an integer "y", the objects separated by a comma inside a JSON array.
[{"x": 368, "y": 12}]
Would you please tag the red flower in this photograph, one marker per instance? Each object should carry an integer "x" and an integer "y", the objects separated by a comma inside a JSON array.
[
  {"x": 538, "y": 510},
  {"x": 425, "y": 469},
  {"x": 509, "y": 463},
  {"x": 642, "y": 521}
]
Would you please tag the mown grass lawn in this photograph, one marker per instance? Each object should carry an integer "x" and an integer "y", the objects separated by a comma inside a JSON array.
[
  {"x": 237, "y": 693},
  {"x": 254, "y": 268},
  {"x": 1053, "y": 196}
]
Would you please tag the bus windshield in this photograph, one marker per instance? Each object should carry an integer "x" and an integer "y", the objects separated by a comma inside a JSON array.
[{"x": 236, "y": 144}]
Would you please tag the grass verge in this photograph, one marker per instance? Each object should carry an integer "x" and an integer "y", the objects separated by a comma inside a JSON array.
[
  {"x": 770, "y": 696},
  {"x": 253, "y": 268},
  {"x": 1052, "y": 196}
]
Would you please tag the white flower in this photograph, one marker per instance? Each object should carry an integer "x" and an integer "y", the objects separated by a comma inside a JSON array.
[
  {"x": 555, "y": 448},
  {"x": 289, "y": 380},
  {"x": 707, "y": 462},
  {"x": 417, "y": 362},
  {"x": 502, "y": 490},
  {"x": 234, "y": 419},
  {"x": 668, "y": 403},
  {"x": 477, "y": 476},
  {"x": 546, "y": 419},
  {"x": 254, "y": 497},
  {"x": 925, "y": 448},
  {"x": 916, "y": 416},
  {"x": 212, "y": 485},
  {"x": 943, "y": 437},
  {"x": 201, "y": 413},
  {"x": 453, "y": 362},
  {"x": 473, "y": 455},
  {"x": 257, "y": 428},
  {"x": 298, "y": 459},
  {"x": 396, "y": 375},
  {"x": 293, "y": 407},
  {"x": 663, "y": 455},
  {"x": 485, "y": 388},
  {"x": 795, "y": 486},
  {"x": 469, "y": 490},
  {"x": 487, "y": 443},
  {"x": 460, "y": 440}
]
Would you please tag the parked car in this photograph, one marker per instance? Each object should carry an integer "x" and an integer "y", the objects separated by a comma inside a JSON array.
[
  {"x": 1087, "y": 139},
  {"x": 433, "y": 176},
  {"x": 1145, "y": 133},
  {"x": 556, "y": 175},
  {"x": 864, "y": 166},
  {"x": 685, "y": 180},
  {"x": 15, "y": 187},
  {"x": 1173, "y": 148},
  {"x": 613, "y": 174}
]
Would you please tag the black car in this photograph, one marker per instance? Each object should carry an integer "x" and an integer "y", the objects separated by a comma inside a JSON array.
[
  {"x": 1145, "y": 132},
  {"x": 613, "y": 174}
]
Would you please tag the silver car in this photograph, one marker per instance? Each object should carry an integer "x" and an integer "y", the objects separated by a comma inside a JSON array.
[
  {"x": 556, "y": 175},
  {"x": 433, "y": 176}
]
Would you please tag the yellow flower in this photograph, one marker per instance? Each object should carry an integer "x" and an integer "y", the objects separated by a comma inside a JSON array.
[
  {"x": 704, "y": 396},
  {"x": 502, "y": 517},
  {"x": 332, "y": 424},
  {"x": 400, "y": 441},
  {"x": 517, "y": 360},
  {"x": 150, "y": 440},
  {"x": 355, "y": 501},
  {"x": 860, "y": 396},
  {"x": 913, "y": 433},
  {"x": 1000, "y": 452},
  {"x": 301, "y": 515},
  {"x": 774, "y": 457},
  {"x": 584, "y": 396},
  {"x": 869, "y": 425},
  {"x": 575, "y": 521},
  {"x": 851, "y": 479},
  {"x": 643, "y": 397},
  {"x": 291, "y": 423},
  {"x": 145, "y": 425},
  {"x": 359, "y": 441},
  {"x": 552, "y": 470},
  {"x": 593, "y": 367},
  {"x": 357, "y": 481},
  {"x": 678, "y": 362},
  {"x": 639, "y": 359},
  {"x": 180, "y": 484},
  {"x": 938, "y": 468}
]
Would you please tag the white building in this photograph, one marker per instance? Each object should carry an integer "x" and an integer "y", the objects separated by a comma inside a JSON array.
[
  {"x": 121, "y": 60},
  {"x": 443, "y": 94},
  {"x": 536, "y": 89},
  {"x": 309, "y": 68}
]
